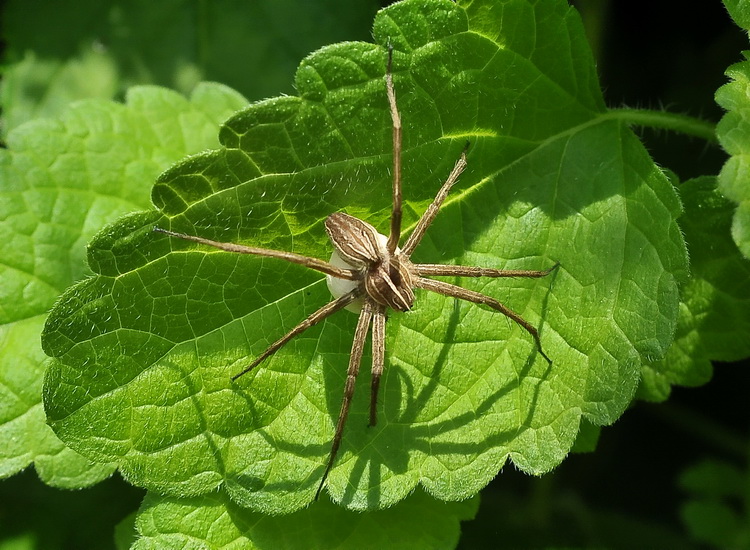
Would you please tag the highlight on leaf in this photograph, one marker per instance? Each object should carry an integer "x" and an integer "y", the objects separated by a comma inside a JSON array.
[
  {"x": 144, "y": 350},
  {"x": 378, "y": 275}
]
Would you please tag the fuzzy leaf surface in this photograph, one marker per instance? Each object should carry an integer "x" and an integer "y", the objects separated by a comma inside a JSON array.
[
  {"x": 214, "y": 521},
  {"x": 144, "y": 351},
  {"x": 714, "y": 318},
  {"x": 60, "y": 182}
]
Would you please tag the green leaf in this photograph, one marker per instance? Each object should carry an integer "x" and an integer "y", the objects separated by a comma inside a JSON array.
[
  {"x": 714, "y": 479},
  {"x": 44, "y": 517},
  {"x": 716, "y": 512},
  {"x": 714, "y": 318},
  {"x": 714, "y": 523},
  {"x": 144, "y": 350},
  {"x": 23, "y": 431},
  {"x": 125, "y": 532},
  {"x": 94, "y": 48},
  {"x": 34, "y": 87},
  {"x": 740, "y": 12},
  {"x": 214, "y": 521},
  {"x": 734, "y": 135},
  {"x": 588, "y": 438},
  {"x": 60, "y": 181}
]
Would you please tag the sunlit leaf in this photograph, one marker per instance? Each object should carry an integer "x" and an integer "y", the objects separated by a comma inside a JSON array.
[{"x": 144, "y": 350}]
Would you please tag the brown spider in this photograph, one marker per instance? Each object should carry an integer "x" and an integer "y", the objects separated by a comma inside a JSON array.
[{"x": 369, "y": 272}]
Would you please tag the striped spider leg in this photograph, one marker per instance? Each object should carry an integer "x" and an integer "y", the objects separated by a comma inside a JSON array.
[{"x": 368, "y": 272}]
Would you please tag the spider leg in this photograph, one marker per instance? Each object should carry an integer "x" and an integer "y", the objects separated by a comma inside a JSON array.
[
  {"x": 378, "y": 359},
  {"x": 395, "y": 235},
  {"x": 429, "y": 215},
  {"x": 355, "y": 359},
  {"x": 454, "y": 291},
  {"x": 430, "y": 270},
  {"x": 312, "y": 263},
  {"x": 316, "y": 317}
]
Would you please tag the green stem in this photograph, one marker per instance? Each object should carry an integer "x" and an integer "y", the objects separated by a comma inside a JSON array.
[{"x": 668, "y": 121}]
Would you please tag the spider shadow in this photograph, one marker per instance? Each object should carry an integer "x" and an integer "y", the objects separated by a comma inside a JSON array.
[
  {"x": 393, "y": 451},
  {"x": 253, "y": 483},
  {"x": 415, "y": 404},
  {"x": 189, "y": 379},
  {"x": 393, "y": 379},
  {"x": 420, "y": 435},
  {"x": 366, "y": 461},
  {"x": 253, "y": 402},
  {"x": 332, "y": 335}
]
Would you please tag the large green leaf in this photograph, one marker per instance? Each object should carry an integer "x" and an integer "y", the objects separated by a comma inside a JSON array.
[
  {"x": 60, "y": 182},
  {"x": 213, "y": 521},
  {"x": 145, "y": 349}
]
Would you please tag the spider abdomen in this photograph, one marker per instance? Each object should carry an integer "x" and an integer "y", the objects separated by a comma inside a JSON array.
[{"x": 357, "y": 243}]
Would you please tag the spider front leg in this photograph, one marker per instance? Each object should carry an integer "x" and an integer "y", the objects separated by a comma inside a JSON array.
[
  {"x": 395, "y": 236},
  {"x": 307, "y": 261},
  {"x": 431, "y": 270}
]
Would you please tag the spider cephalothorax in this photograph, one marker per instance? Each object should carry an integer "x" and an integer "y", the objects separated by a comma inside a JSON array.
[
  {"x": 369, "y": 273},
  {"x": 386, "y": 277}
]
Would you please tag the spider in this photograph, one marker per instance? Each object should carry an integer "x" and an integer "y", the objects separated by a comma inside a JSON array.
[{"x": 369, "y": 273}]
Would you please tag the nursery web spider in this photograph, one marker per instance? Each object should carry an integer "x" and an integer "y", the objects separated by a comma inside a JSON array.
[{"x": 369, "y": 272}]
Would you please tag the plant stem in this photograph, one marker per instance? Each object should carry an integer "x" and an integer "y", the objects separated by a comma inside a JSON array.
[{"x": 669, "y": 121}]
